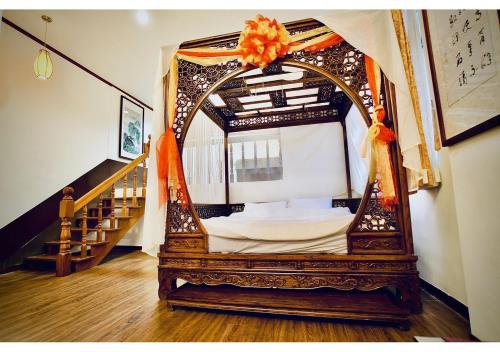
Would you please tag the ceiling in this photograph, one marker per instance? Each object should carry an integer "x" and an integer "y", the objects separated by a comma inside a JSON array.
[{"x": 123, "y": 46}]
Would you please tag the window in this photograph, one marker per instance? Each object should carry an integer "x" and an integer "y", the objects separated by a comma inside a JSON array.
[{"x": 255, "y": 156}]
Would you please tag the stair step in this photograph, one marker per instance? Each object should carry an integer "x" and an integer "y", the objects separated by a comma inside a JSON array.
[
  {"x": 117, "y": 206},
  {"x": 119, "y": 217},
  {"x": 78, "y": 243},
  {"x": 52, "y": 258},
  {"x": 120, "y": 197},
  {"x": 93, "y": 229}
]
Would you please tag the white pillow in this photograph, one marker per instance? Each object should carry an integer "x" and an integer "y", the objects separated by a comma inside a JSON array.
[
  {"x": 263, "y": 207},
  {"x": 311, "y": 203}
]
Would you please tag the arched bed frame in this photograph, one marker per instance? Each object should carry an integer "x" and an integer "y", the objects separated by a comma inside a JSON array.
[{"x": 380, "y": 246}]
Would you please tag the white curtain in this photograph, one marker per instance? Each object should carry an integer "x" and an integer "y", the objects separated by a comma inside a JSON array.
[
  {"x": 153, "y": 231},
  {"x": 356, "y": 131},
  {"x": 203, "y": 161},
  {"x": 414, "y": 27},
  {"x": 372, "y": 32}
]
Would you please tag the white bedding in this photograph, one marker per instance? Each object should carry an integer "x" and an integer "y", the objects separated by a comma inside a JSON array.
[{"x": 284, "y": 230}]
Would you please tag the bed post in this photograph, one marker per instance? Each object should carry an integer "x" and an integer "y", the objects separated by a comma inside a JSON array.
[
  {"x": 226, "y": 165},
  {"x": 346, "y": 158}
]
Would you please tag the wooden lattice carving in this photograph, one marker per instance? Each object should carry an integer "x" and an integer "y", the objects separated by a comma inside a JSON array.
[{"x": 375, "y": 218}]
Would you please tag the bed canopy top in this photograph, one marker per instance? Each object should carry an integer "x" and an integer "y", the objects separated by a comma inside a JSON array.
[{"x": 280, "y": 95}]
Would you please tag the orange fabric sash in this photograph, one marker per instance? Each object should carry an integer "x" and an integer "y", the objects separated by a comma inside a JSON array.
[
  {"x": 332, "y": 40},
  {"x": 380, "y": 137},
  {"x": 171, "y": 184}
]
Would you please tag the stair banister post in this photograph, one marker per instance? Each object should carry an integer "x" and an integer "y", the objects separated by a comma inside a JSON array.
[
  {"x": 147, "y": 145},
  {"x": 144, "y": 170},
  {"x": 124, "y": 196},
  {"x": 112, "y": 221},
  {"x": 83, "y": 252},
  {"x": 144, "y": 175},
  {"x": 134, "y": 189},
  {"x": 66, "y": 212},
  {"x": 99, "y": 220}
]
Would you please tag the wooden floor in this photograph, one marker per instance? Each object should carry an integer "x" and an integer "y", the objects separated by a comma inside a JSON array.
[{"x": 117, "y": 301}]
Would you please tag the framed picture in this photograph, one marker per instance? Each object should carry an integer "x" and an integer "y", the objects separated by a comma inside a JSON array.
[
  {"x": 464, "y": 58},
  {"x": 131, "y": 129}
]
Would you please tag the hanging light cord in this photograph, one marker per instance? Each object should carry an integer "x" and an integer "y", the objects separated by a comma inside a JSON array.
[{"x": 45, "y": 35}]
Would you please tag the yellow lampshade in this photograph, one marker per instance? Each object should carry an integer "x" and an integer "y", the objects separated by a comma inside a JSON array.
[{"x": 43, "y": 65}]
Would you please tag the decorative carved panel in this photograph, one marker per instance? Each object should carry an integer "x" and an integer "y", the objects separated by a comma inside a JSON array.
[
  {"x": 278, "y": 98},
  {"x": 297, "y": 265},
  {"x": 185, "y": 244},
  {"x": 379, "y": 244},
  {"x": 181, "y": 220},
  {"x": 375, "y": 218},
  {"x": 325, "y": 93},
  {"x": 206, "y": 211},
  {"x": 236, "y": 208},
  {"x": 280, "y": 280},
  {"x": 276, "y": 120},
  {"x": 194, "y": 81}
]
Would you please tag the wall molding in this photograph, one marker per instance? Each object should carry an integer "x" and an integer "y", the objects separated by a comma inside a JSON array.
[{"x": 74, "y": 62}]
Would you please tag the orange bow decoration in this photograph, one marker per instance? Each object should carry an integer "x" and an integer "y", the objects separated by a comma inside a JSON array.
[{"x": 263, "y": 41}]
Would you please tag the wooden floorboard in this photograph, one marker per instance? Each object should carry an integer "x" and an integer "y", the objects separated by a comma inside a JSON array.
[{"x": 117, "y": 301}]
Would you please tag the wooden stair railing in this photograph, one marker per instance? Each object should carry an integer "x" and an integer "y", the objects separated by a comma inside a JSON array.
[{"x": 92, "y": 220}]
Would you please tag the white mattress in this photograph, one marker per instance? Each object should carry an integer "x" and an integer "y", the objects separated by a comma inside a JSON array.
[{"x": 288, "y": 230}]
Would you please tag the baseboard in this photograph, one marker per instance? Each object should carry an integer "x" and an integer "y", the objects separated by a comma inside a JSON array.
[
  {"x": 451, "y": 302},
  {"x": 11, "y": 268},
  {"x": 128, "y": 247}
]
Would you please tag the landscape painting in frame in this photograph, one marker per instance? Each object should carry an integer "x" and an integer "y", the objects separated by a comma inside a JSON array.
[{"x": 131, "y": 129}]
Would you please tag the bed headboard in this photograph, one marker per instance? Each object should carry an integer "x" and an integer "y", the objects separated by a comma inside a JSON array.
[{"x": 206, "y": 211}]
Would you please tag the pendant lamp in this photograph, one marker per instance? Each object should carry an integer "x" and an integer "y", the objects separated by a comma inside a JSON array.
[{"x": 43, "y": 63}]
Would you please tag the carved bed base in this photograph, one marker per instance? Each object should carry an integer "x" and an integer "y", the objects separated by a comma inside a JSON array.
[{"x": 348, "y": 273}]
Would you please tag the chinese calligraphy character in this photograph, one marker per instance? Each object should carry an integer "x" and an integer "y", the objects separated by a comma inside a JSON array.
[
  {"x": 469, "y": 46},
  {"x": 478, "y": 15},
  {"x": 454, "y": 39},
  {"x": 486, "y": 60},
  {"x": 473, "y": 69},
  {"x": 466, "y": 26},
  {"x": 459, "y": 59},
  {"x": 481, "y": 34},
  {"x": 462, "y": 80},
  {"x": 453, "y": 19}
]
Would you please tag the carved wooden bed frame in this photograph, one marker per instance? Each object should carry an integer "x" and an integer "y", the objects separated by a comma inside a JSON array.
[{"x": 380, "y": 246}]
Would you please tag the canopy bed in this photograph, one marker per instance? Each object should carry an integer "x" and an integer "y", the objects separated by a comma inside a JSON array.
[{"x": 377, "y": 249}]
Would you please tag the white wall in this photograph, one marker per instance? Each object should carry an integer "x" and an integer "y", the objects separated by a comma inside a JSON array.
[
  {"x": 52, "y": 131},
  {"x": 313, "y": 166},
  {"x": 433, "y": 214},
  {"x": 475, "y": 164},
  {"x": 435, "y": 234},
  {"x": 456, "y": 229}
]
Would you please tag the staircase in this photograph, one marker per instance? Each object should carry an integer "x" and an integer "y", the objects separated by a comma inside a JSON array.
[{"x": 93, "y": 224}]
